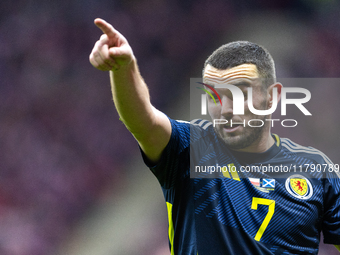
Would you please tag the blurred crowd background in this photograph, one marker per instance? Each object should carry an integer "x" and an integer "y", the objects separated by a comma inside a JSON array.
[{"x": 63, "y": 151}]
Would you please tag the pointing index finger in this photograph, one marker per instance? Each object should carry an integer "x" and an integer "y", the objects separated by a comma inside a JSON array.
[{"x": 105, "y": 27}]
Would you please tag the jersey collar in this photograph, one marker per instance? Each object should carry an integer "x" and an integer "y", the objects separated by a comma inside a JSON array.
[{"x": 249, "y": 157}]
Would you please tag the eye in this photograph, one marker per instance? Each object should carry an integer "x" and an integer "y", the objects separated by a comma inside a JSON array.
[
  {"x": 245, "y": 93},
  {"x": 212, "y": 97}
]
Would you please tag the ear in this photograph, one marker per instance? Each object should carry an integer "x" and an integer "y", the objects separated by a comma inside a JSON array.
[{"x": 278, "y": 86}]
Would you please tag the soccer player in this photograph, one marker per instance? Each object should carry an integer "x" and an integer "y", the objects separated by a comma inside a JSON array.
[{"x": 240, "y": 212}]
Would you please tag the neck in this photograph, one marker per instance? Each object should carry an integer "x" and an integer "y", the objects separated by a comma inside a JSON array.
[{"x": 261, "y": 145}]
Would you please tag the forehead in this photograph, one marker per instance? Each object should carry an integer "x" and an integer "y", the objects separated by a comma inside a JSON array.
[{"x": 245, "y": 71}]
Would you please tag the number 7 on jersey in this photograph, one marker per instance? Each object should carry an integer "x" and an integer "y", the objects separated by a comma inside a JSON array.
[{"x": 271, "y": 209}]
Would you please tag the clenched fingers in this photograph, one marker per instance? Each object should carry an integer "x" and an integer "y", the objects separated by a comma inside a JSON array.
[{"x": 100, "y": 57}]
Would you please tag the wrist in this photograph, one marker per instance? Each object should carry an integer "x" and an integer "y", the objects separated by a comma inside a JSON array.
[{"x": 128, "y": 65}]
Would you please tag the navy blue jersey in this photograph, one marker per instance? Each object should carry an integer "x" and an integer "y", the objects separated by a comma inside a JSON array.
[{"x": 275, "y": 202}]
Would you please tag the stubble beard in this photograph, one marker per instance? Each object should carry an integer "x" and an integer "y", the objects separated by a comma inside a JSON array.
[{"x": 248, "y": 136}]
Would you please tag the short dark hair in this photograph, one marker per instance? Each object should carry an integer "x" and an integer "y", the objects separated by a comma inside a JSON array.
[{"x": 242, "y": 52}]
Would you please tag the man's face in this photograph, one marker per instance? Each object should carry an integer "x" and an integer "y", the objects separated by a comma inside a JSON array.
[{"x": 243, "y": 76}]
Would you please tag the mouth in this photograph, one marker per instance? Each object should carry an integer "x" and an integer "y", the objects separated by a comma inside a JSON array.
[{"x": 230, "y": 129}]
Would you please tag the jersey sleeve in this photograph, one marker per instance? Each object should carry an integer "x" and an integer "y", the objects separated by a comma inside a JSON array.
[
  {"x": 175, "y": 156},
  {"x": 331, "y": 219}
]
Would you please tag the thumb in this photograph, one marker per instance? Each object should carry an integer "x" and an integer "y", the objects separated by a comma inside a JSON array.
[{"x": 118, "y": 51}]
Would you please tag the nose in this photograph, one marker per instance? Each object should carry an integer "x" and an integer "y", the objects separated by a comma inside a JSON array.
[{"x": 227, "y": 107}]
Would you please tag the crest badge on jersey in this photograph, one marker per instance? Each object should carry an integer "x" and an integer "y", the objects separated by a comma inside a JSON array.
[{"x": 299, "y": 186}]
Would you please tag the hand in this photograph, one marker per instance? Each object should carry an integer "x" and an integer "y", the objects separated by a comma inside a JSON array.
[{"x": 112, "y": 50}]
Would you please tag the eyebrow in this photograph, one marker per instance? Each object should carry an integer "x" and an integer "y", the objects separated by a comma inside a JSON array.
[
  {"x": 236, "y": 83},
  {"x": 207, "y": 83},
  {"x": 209, "y": 86},
  {"x": 241, "y": 83}
]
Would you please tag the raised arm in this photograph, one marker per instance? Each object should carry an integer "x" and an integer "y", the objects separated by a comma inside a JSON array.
[{"x": 150, "y": 127}]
